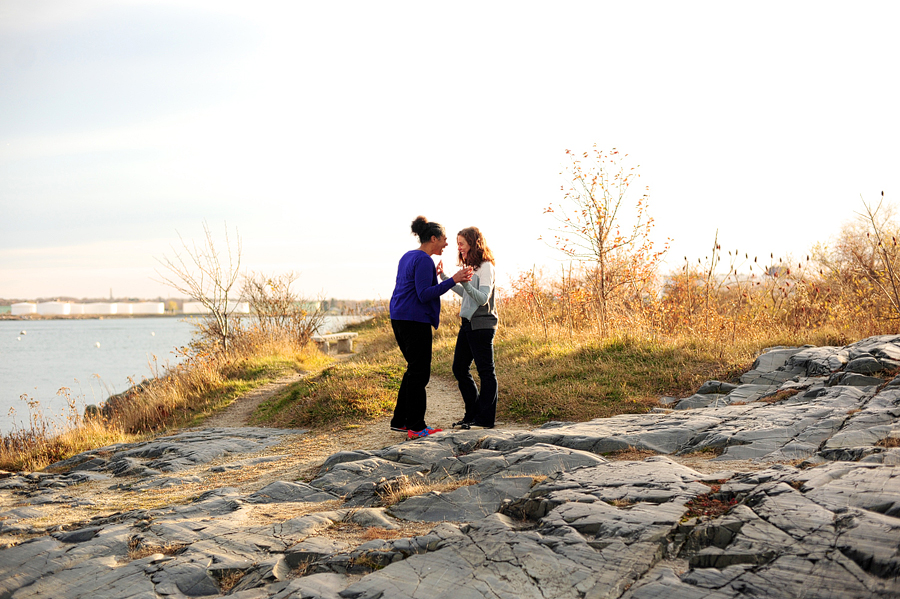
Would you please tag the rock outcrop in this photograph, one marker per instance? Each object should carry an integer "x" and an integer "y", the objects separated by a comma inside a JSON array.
[{"x": 552, "y": 512}]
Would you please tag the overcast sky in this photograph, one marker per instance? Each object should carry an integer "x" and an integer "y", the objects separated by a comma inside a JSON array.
[{"x": 321, "y": 129}]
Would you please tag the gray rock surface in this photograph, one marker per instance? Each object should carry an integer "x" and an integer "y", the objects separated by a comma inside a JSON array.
[
  {"x": 175, "y": 452},
  {"x": 543, "y": 513}
]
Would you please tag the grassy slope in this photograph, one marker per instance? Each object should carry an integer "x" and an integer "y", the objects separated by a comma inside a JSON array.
[{"x": 539, "y": 381}]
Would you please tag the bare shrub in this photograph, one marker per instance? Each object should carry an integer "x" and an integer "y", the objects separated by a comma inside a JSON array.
[
  {"x": 279, "y": 311},
  {"x": 199, "y": 272},
  {"x": 860, "y": 268},
  {"x": 594, "y": 229}
]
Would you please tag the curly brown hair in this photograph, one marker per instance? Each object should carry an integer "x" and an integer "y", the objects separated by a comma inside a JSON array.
[{"x": 478, "y": 250}]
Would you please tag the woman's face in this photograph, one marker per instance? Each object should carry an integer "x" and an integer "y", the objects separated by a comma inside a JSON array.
[
  {"x": 438, "y": 245},
  {"x": 462, "y": 245}
]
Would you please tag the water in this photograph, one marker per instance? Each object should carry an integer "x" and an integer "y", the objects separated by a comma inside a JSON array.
[
  {"x": 65, "y": 353},
  {"x": 93, "y": 358}
]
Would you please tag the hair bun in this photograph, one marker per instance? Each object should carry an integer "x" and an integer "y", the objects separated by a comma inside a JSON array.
[{"x": 420, "y": 225}]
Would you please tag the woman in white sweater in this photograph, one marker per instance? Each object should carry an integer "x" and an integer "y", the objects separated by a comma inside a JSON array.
[{"x": 475, "y": 341}]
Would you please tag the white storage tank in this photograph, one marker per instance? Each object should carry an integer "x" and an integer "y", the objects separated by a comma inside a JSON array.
[
  {"x": 233, "y": 308},
  {"x": 124, "y": 308},
  {"x": 23, "y": 308},
  {"x": 100, "y": 308},
  {"x": 194, "y": 308},
  {"x": 53, "y": 308},
  {"x": 76, "y": 308},
  {"x": 239, "y": 307},
  {"x": 148, "y": 308}
]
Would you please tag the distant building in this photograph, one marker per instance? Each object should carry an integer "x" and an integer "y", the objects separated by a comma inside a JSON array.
[
  {"x": 54, "y": 308},
  {"x": 194, "y": 308},
  {"x": 148, "y": 308},
  {"x": 100, "y": 308},
  {"x": 198, "y": 308},
  {"x": 23, "y": 308}
]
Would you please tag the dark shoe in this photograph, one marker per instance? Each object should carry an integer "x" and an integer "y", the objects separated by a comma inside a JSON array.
[
  {"x": 399, "y": 429},
  {"x": 476, "y": 425},
  {"x": 463, "y": 424}
]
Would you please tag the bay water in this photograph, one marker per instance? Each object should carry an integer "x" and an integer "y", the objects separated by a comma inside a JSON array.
[{"x": 91, "y": 358}]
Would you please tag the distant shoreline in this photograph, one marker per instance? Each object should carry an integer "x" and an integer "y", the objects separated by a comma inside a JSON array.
[{"x": 8, "y": 316}]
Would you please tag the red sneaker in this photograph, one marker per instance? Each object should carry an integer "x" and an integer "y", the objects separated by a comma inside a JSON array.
[{"x": 423, "y": 433}]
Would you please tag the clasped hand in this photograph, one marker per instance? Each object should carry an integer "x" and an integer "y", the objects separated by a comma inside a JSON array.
[{"x": 461, "y": 276}]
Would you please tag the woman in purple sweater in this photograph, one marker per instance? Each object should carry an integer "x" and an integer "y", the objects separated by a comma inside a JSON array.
[{"x": 415, "y": 308}]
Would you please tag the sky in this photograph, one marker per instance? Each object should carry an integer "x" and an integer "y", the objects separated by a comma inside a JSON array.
[{"x": 317, "y": 131}]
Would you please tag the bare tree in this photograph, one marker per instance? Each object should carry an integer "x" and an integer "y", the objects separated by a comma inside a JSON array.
[
  {"x": 863, "y": 261},
  {"x": 592, "y": 228},
  {"x": 197, "y": 270},
  {"x": 881, "y": 269},
  {"x": 279, "y": 310}
]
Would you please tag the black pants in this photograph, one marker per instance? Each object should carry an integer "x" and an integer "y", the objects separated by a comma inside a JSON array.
[
  {"x": 414, "y": 339},
  {"x": 478, "y": 346}
]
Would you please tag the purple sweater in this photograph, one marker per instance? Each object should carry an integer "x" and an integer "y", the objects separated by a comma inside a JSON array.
[{"x": 417, "y": 294}]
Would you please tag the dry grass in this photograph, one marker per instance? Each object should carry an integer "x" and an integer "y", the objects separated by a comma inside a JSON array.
[
  {"x": 355, "y": 535},
  {"x": 630, "y": 454},
  {"x": 377, "y": 533},
  {"x": 405, "y": 487},
  {"x": 269, "y": 513},
  {"x": 229, "y": 579},
  {"x": 620, "y": 503},
  {"x": 780, "y": 396},
  {"x": 137, "y": 549},
  {"x": 704, "y": 506},
  {"x": 538, "y": 479},
  {"x": 706, "y": 452},
  {"x": 889, "y": 442}
]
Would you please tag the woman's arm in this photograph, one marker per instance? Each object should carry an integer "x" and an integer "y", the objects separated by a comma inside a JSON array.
[
  {"x": 457, "y": 289},
  {"x": 424, "y": 277},
  {"x": 485, "y": 285}
]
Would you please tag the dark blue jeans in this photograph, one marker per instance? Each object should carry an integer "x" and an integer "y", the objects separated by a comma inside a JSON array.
[
  {"x": 414, "y": 339},
  {"x": 478, "y": 346}
]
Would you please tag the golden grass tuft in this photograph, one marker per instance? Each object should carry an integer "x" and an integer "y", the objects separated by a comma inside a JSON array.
[
  {"x": 137, "y": 549},
  {"x": 630, "y": 454},
  {"x": 780, "y": 396},
  {"x": 405, "y": 487}
]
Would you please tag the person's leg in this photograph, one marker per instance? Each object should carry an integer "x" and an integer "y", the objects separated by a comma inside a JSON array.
[
  {"x": 401, "y": 334},
  {"x": 462, "y": 361},
  {"x": 418, "y": 373},
  {"x": 482, "y": 345}
]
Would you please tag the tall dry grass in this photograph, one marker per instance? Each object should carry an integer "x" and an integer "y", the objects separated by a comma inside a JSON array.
[{"x": 562, "y": 354}]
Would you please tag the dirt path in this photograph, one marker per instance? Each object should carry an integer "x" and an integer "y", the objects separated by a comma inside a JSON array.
[
  {"x": 444, "y": 408},
  {"x": 239, "y": 412}
]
